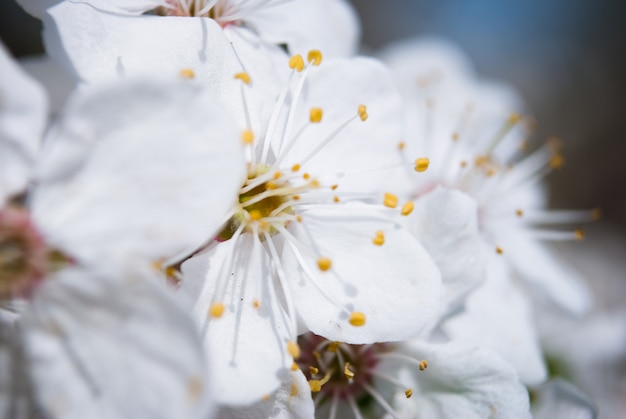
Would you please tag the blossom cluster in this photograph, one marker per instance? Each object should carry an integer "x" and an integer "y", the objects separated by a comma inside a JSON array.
[{"x": 236, "y": 215}]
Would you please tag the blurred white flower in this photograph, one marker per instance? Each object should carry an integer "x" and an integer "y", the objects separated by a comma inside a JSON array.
[{"x": 298, "y": 252}]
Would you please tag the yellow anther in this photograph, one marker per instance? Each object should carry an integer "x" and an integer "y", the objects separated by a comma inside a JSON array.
[
  {"x": 277, "y": 175},
  {"x": 187, "y": 73},
  {"x": 256, "y": 303},
  {"x": 455, "y": 136},
  {"x": 596, "y": 214},
  {"x": 315, "y": 386},
  {"x": 390, "y": 200},
  {"x": 362, "y": 112},
  {"x": 293, "y": 349},
  {"x": 314, "y": 57},
  {"x": 557, "y": 161},
  {"x": 295, "y": 167},
  {"x": 491, "y": 172},
  {"x": 313, "y": 370},
  {"x": 324, "y": 264},
  {"x": 314, "y": 183},
  {"x": 332, "y": 347},
  {"x": 401, "y": 145},
  {"x": 294, "y": 367},
  {"x": 295, "y": 197},
  {"x": 423, "y": 365},
  {"x": 519, "y": 213},
  {"x": 263, "y": 225},
  {"x": 266, "y": 397},
  {"x": 316, "y": 354},
  {"x": 407, "y": 208},
  {"x": 296, "y": 63},
  {"x": 579, "y": 234},
  {"x": 514, "y": 118},
  {"x": 294, "y": 389},
  {"x": 306, "y": 176},
  {"x": 357, "y": 319},
  {"x": 244, "y": 77},
  {"x": 379, "y": 238},
  {"x": 347, "y": 371},
  {"x": 255, "y": 215},
  {"x": 216, "y": 310},
  {"x": 315, "y": 115},
  {"x": 481, "y": 161},
  {"x": 194, "y": 388},
  {"x": 408, "y": 393},
  {"x": 271, "y": 185},
  {"x": 335, "y": 198},
  {"x": 463, "y": 164},
  {"x": 499, "y": 250},
  {"x": 333, "y": 187},
  {"x": 247, "y": 137},
  {"x": 422, "y": 164},
  {"x": 299, "y": 218}
]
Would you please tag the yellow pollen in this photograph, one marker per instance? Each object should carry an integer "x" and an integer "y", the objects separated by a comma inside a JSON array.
[
  {"x": 557, "y": 161},
  {"x": 295, "y": 197},
  {"x": 244, "y": 77},
  {"x": 408, "y": 393},
  {"x": 379, "y": 238},
  {"x": 332, "y": 347},
  {"x": 266, "y": 397},
  {"x": 256, "y": 303},
  {"x": 299, "y": 218},
  {"x": 519, "y": 213},
  {"x": 271, "y": 185},
  {"x": 255, "y": 215},
  {"x": 293, "y": 349},
  {"x": 407, "y": 208},
  {"x": 514, "y": 118},
  {"x": 296, "y": 63},
  {"x": 499, "y": 250},
  {"x": 422, "y": 164},
  {"x": 463, "y": 164},
  {"x": 187, "y": 73},
  {"x": 295, "y": 167},
  {"x": 455, "y": 136},
  {"x": 194, "y": 388},
  {"x": 491, "y": 172},
  {"x": 333, "y": 187},
  {"x": 362, "y": 111},
  {"x": 324, "y": 264},
  {"x": 277, "y": 175},
  {"x": 423, "y": 365},
  {"x": 579, "y": 233},
  {"x": 596, "y": 214},
  {"x": 348, "y": 372},
  {"x": 315, "y": 115},
  {"x": 401, "y": 145},
  {"x": 390, "y": 200},
  {"x": 313, "y": 370},
  {"x": 247, "y": 137},
  {"x": 357, "y": 319},
  {"x": 294, "y": 389},
  {"x": 335, "y": 198},
  {"x": 294, "y": 367},
  {"x": 263, "y": 225},
  {"x": 316, "y": 354},
  {"x": 306, "y": 176},
  {"x": 481, "y": 161},
  {"x": 315, "y": 386},
  {"x": 314, "y": 57},
  {"x": 216, "y": 310},
  {"x": 315, "y": 183}
]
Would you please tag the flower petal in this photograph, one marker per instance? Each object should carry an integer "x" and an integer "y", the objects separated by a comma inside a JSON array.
[
  {"x": 247, "y": 344},
  {"x": 460, "y": 381},
  {"x": 396, "y": 286},
  {"x": 558, "y": 399},
  {"x": 121, "y": 346},
  {"x": 137, "y": 169}
]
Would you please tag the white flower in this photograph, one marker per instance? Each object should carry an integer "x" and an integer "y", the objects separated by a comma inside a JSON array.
[
  {"x": 298, "y": 252},
  {"x": 408, "y": 380}
]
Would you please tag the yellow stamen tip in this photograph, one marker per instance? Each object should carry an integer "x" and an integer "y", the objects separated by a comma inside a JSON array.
[
  {"x": 324, "y": 264},
  {"x": 296, "y": 62},
  {"x": 499, "y": 250},
  {"x": 407, "y": 208},
  {"x": 256, "y": 303},
  {"x": 390, "y": 200},
  {"x": 314, "y": 57},
  {"x": 357, "y": 319},
  {"x": 313, "y": 370},
  {"x": 596, "y": 214},
  {"x": 299, "y": 218},
  {"x": 401, "y": 145},
  {"x": 294, "y": 367},
  {"x": 216, "y": 310},
  {"x": 315, "y": 386},
  {"x": 295, "y": 167},
  {"x": 422, "y": 164},
  {"x": 362, "y": 112},
  {"x": 306, "y": 176},
  {"x": 277, "y": 175},
  {"x": 247, "y": 137},
  {"x": 332, "y": 347},
  {"x": 349, "y": 374},
  {"x": 315, "y": 115},
  {"x": 408, "y": 393},
  {"x": 335, "y": 199},
  {"x": 293, "y": 349},
  {"x": 557, "y": 161},
  {"x": 455, "y": 136},
  {"x": 514, "y": 118},
  {"x": 579, "y": 234},
  {"x": 379, "y": 238},
  {"x": 255, "y": 215},
  {"x": 187, "y": 73},
  {"x": 244, "y": 77},
  {"x": 519, "y": 213},
  {"x": 294, "y": 390}
]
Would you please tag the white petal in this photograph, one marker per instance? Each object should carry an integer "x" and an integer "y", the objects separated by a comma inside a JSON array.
[
  {"x": 120, "y": 346},
  {"x": 460, "y": 382},
  {"x": 137, "y": 169},
  {"x": 291, "y": 400},
  {"x": 558, "y": 399},
  {"x": 397, "y": 286},
  {"x": 498, "y": 316},
  {"x": 445, "y": 221},
  {"x": 331, "y": 26},
  {"x": 23, "y": 113},
  {"x": 247, "y": 345},
  {"x": 338, "y": 87}
]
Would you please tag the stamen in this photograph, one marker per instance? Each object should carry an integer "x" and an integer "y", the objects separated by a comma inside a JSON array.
[
  {"x": 357, "y": 319},
  {"x": 347, "y": 372},
  {"x": 422, "y": 164},
  {"x": 499, "y": 250},
  {"x": 296, "y": 63},
  {"x": 293, "y": 349},
  {"x": 324, "y": 264},
  {"x": 362, "y": 112},
  {"x": 247, "y": 136},
  {"x": 407, "y": 208},
  {"x": 379, "y": 238},
  {"x": 390, "y": 200},
  {"x": 216, "y": 310},
  {"x": 244, "y": 77},
  {"x": 408, "y": 393},
  {"x": 423, "y": 365},
  {"x": 187, "y": 73},
  {"x": 315, "y": 115},
  {"x": 314, "y": 57}
]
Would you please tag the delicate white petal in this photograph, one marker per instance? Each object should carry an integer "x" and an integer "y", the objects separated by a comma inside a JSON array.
[
  {"x": 338, "y": 87},
  {"x": 498, "y": 317},
  {"x": 445, "y": 221},
  {"x": 137, "y": 169},
  {"x": 460, "y": 382},
  {"x": 57, "y": 82},
  {"x": 331, "y": 26},
  {"x": 558, "y": 399},
  {"x": 291, "y": 400},
  {"x": 540, "y": 267},
  {"x": 120, "y": 346},
  {"x": 23, "y": 113},
  {"x": 397, "y": 286},
  {"x": 247, "y": 345}
]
